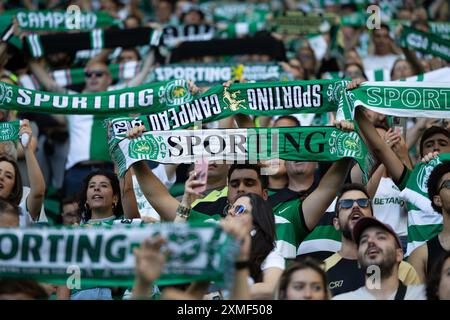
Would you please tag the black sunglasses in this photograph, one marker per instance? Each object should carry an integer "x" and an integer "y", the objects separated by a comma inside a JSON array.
[
  {"x": 348, "y": 203},
  {"x": 445, "y": 184},
  {"x": 97, "y": 74}
]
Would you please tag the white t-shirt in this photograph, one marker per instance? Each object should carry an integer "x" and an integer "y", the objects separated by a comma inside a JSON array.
[
  {"x": 374, "y": 62},
  {"x": 25, "y": 219},
  {"x": 389, "y": 208},
  {"x": 145, "y": 208},
  {"x": 413, "y": 292}
]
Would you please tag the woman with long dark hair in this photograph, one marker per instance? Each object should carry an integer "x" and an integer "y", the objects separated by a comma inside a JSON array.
[
  {"x": 100, "y": 200},
  {"x": 438, "y": 283}
]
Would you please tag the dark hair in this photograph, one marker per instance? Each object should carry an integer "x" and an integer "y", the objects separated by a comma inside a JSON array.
[
  {"x": 433, "y": 182},
  {"x": 301, "y": 264},
  {"x": 29, "y": 287},
  {"x": 263, "y": 242},
  {"x": 136, "y": 51},
  {"x": 434, "y": 277},
  {"x": 241, "y": 166},
  {"x": 349, "y": 187},
  {"x": 86, "y": 212},
  {"x": 8, "y": 207},
  {"x": 16, "y": 193},
  {"x": 290, "y": 118},
  {"x": 383, "y": 26},
  {"x": 360, "y": 67},
  {"x": 395, "y": 63},
  {"x": 430, "y": 132}
]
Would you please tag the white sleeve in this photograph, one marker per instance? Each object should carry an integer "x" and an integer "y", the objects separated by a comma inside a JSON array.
[
  {"x": 160, "y": 172},
  {"x": 273, "y": 260}
]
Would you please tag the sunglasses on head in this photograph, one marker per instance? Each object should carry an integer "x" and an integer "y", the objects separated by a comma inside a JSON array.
[
  {"x": 96, "y": 73},
  {"x": 445, "y": 184},
  {"x": 348, "y": 203}
]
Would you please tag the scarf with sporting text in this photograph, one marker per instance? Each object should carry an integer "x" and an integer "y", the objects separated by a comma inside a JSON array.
[
  {"x": 238, "y": 145},
  {"x": 425, "y": 42},
  {"x": 170, "y": 105},
  {"x": 103, "y": 255}
]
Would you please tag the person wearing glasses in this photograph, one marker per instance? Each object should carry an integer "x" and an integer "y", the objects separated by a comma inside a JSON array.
[
  {"x": 343, "y": 270},
  {"x": 88, "y": 147},
  {"x": 425, "y": 257},
  {"x": 265, "y": 263}
]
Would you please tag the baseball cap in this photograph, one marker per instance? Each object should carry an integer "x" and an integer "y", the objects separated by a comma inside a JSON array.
[{"x": 365, "y": 222}]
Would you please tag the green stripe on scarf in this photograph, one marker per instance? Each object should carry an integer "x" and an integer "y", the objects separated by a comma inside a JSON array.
[
  {"x": 185, "y": 146},
  {"x": 104, "y": 255}
]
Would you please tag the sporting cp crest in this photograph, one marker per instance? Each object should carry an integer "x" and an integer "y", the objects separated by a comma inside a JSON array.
[
  {"x": 175, "y": 93},
  {"x": 147, "y": 147},
  {"x": 6, "y": 93}
]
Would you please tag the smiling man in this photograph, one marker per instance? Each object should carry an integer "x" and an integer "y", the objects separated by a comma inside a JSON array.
[
  {"x": 343, "y": 271},
  {"x": 380, "y": 255}
]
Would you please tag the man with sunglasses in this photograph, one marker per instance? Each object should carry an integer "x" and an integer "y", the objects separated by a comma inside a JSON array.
[
  {"x": 424, "y": 257},
  {"x": 343, "y": 271}
]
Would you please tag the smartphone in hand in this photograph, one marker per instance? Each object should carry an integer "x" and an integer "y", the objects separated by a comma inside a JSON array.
[{"x": 201, "y": 169}]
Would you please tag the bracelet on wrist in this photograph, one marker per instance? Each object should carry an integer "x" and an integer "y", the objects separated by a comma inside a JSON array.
[
  {"x": 239, "y": 265},
  {"x": 183, "y": 211}
]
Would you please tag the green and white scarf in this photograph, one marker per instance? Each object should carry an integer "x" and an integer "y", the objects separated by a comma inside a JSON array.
[
  {"x": 9, "y": 131},
  {"x": 239, "y": 145},
  {"x": 60, "y": 20},
  {"x": 423, "y": 222},
  {"x": 209, "y": 74},
  {"x": 425, "y": 42},
  {"x": 171, "y": 104},
  {"x": 103, "y": 256},
  {"x": 263, "y": 99},
  {"x": 397, "y": 98},
  {"x": 299, "y": 23},
  {"x": 438, "y": 75}
]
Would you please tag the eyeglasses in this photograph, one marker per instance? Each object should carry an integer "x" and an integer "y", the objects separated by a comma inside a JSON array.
[
  {"x": 96, "y": 73},
  {"x": 238, "y": 210},
  {"x": 348, "y": 203},
  {"x": 445, "y": 184}
]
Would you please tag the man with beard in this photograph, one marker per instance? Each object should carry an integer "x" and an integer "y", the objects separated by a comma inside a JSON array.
[
  {"x": 343, "y": 271},
  {"x": 424, "y": 257},
  {"x": 380, "y": 255}
]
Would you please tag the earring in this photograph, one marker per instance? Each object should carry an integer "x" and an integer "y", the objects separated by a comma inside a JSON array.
[{"x": 86, "y": 206}]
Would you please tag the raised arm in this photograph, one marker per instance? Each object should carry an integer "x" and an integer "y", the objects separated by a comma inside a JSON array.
[
  {"x": 320, "y": 199},
  {"x": 37, "y": 183},
  {"x": 376, "y": 144},
  {"x": 146, "y": 68},
  {"x": 153, "y": 189},
  {"x": 129, "y": 203},
  {"x": 44, "y": 78}
]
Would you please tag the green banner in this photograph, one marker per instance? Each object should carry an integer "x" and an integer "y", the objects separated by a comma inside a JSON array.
[
  {"x": 208, "y": 74},
  {"x": 130, "y": 100},
  {"x": 425, "y": 42},
  {"x": 60, "y": 20},
  {"x": 299, "y": 23},
  {"x": 398, "y": 98},
  {"x": 263, "y": 99},
  {"x": 9, "y": 130},
  {"x": 170, "y": 105},
  {"x": 103, "y": 256},
  {"x": 231, "y": 145}
]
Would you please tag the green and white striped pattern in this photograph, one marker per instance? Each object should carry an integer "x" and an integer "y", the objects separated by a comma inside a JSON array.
[
  {"x": 97, "y": 40},
  {"x": 423, "y": 222},
  {"x": 35, "y": 44}
]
